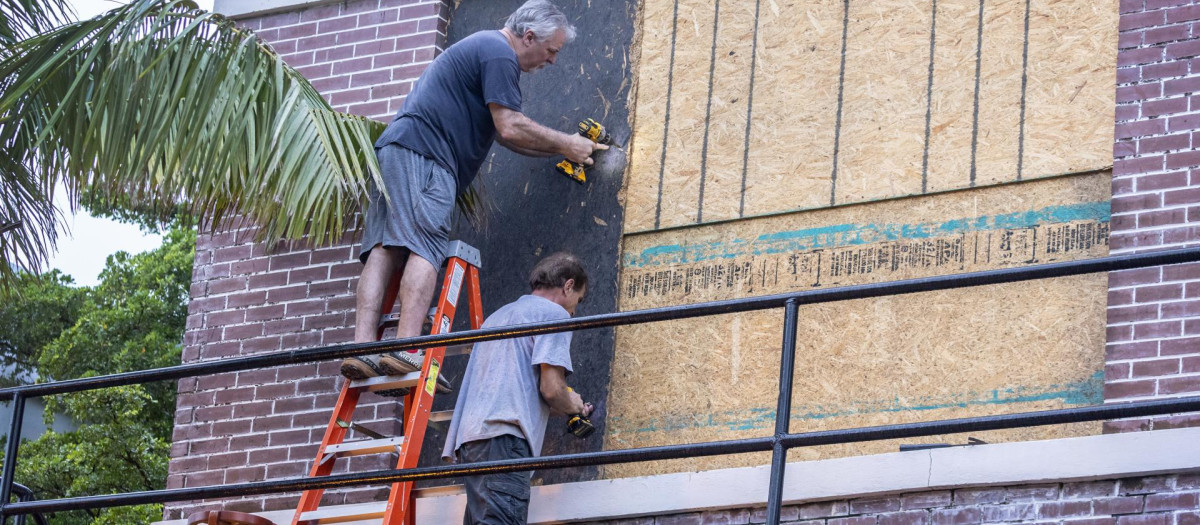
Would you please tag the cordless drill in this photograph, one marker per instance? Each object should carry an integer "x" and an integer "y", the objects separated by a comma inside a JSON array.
[
  {"x": 578, "y": 424},
  {"x": 594, "y": 131}
]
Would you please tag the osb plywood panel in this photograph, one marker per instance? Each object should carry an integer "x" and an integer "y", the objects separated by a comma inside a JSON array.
[
  {"x": 909, "y": 98},
  {"x": 967, "y": 352}
]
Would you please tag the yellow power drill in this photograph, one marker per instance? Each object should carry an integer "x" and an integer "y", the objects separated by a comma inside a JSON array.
[{"x": 594, "y": 131}]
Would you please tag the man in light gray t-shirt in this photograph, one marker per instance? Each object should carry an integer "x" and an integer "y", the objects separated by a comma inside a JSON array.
[{"x": 509, "y": 389}]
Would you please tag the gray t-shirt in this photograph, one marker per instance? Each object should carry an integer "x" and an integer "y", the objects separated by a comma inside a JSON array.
[
  {"x": 446, "y": 116},
  {"x": 499, "y": 393}
]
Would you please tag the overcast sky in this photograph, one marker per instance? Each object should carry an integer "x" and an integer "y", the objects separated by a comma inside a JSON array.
[{"x": 88, "y": 241}]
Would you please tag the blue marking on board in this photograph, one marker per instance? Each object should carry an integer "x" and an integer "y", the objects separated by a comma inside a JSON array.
[
  {"x": 1088, "y": 392},
  {"x": 856, "y": 234}
]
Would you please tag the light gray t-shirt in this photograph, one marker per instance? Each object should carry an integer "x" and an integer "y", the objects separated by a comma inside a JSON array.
[{"x": 499, "y": 393}]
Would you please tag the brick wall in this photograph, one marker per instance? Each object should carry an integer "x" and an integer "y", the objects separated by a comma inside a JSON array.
[
  {"x": 266, "y": 424},
  {"x": 1158, "y": 500},
  {"x": 1154, "y": 314}
]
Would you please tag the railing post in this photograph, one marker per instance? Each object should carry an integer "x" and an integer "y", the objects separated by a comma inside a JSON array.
[
  {"x": 10, "y": 458},
  {"x": 783, "y": 411}
]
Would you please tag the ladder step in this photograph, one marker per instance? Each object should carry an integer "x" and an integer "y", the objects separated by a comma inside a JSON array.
[
  {"x": 374, "y": 510},
  {"x": 345, "y": 513},
  {"x": 375, "y": 384},
  {"x": 364, "y": 447},
  {"x": 440, "y": 416}
]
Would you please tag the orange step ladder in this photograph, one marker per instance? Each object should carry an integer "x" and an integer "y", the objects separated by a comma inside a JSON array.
[{"x": 462, "y": 269}]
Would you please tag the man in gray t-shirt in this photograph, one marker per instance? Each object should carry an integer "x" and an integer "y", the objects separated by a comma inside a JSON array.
[
  {"x": 465, "y": 100},
  {"x": 511, "y": 386}
]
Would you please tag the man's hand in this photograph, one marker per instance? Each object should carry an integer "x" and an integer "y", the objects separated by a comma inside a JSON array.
[
  {"x": 580, "y": 149},
  {"x": 561, "y": 398}
]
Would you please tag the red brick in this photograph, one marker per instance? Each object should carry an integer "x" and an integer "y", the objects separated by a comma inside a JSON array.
[
  {"x": 204, "y": 479},
  {"x": 315, "y": 71},
  {"x": 1116, "y": 334},
  {"x": 1188, "y": 234},
  {"x": 911, "y": 517},
  {"x": 1124, "y": 148},
  {"x": 1183, "y": 159},
  {"x": 220, "y": 350},
  {"x": 1181, "y": 197},
  {"x": 245, "y": 331},
  {"x": 239, "y": 300},
  {"x": 1116, "y": 372},
  {"x": 1118, "y": 505},
  {"x": 277, "y": 20},
  {"x": 1144, "y": 519},
  {"x": 1127, "y": 389},
  {"x": 955, "y": 516},
  {"x": 287, "y": 437},
  {"x": 295, "y": 404},
  {"x": 925, "y": 500},
  {"x": 304, "y": 30},
  {"x": 269, "y": 280},
  {"x": 1178, "y": 385},
  {"x": 1139, "y": 92},
  {"x": 286, "y": 470},
  {"x": 245, "y": 474},
  {"x": 1164, "y": 143},
  {"x": 1164, "y": 292},
  {"x": 370, "y": 108},
  {"x": 355, "y": 36},
  {"x": 1132, "y": 6},
  {"x": 1161, "y": 181},
  {"x": 1138, "y": 20},
  {"x": 823, "y": 509},
  {"x": 264, "y": 312},
  {"x": 226, "y": 318},
  {"x": 1161, "y": 218},
  {"x": 1008, "y": 513},
  {"x": 1120, "y": 297},
  {"x": 256, "y": 377},
  {"x": 231, "y": 427},
  {"x": 874, "y": 505},
  {"x": 229, "y": 459},
  {"x": 290, "y": 293},
  {"x": 1166, "y": 106},
  {"x": 234, "y": 395},
  {"x": 283, "y": 326},
  {"x": 1128, "y": 75},
  {"x": 232, "y": 253},
  {"x": 330, "y": 288},
  {"x": 1138, "y": 425},
  {"x": 1130, "y": 314},
  {"x": 858, "y": 520},
  {"x": 1156, "y": 330},
  {"x": 255, "y": 409},
  {"x": 275, "y": 391},
  {"x": 1181, "y": 309},
  {"x": 1187, "y": 345},
  {"x": 1181, "y": 86},
  {"x": 1171, "y": 33},
  {"x": 1177, "y": 68},
  {"x": 1136, "y": 203},
  {"x": 1176, "y": 501},
  {"x": 209, "y": 446},
  {"x": 249, "y": 266},
  {"x": 334, "y": 25},
  {"x": 1145, "y": 485},
  {"x": 1089, "y": 489},
  {"x": 302, "y": 340},
  {"x": 1155, "y": 368},
  {"x": 1064, "y": 509},
  {"x": 1179, "y": 50}
]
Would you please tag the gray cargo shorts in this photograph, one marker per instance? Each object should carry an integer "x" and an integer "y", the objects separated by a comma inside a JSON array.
[
  {"x": 419, "y": 209},
  {"x": 496, "y": 499}
]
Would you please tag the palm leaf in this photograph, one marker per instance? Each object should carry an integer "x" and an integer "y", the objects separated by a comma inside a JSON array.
[{"x": 165, "y": 105}]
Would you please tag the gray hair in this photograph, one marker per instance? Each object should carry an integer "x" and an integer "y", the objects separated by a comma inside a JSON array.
[{"x": 541, "y": 17}]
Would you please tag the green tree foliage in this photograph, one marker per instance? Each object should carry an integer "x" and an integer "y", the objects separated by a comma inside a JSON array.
[{"x": 133, "y": 320}]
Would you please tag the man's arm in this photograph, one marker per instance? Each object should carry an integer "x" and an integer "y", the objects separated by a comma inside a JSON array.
[
  {"x": 520, "y": 133},
  {"x": 523, "y": 151},
  {"x": 554, "y": 390}
]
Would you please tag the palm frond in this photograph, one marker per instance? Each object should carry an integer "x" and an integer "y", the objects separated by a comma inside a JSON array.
[
  {"x": 166, "y": 104},
  {"x": 21, "y": 19}
]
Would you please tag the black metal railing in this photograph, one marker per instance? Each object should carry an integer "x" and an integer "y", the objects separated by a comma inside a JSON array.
[{"x": 778, "y": 444}]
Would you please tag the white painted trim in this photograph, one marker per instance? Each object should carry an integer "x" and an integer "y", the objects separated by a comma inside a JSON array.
[
  {"x": 1057, "y": 460},
  {"x": 248, "y": 8}
]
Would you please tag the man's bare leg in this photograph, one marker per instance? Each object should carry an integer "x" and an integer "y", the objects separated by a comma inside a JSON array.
[
  {"x": 416, "y": 294},
  {"x": 381, "y": 267}
]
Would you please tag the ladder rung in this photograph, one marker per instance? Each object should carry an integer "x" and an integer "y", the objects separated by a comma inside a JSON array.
[
  {"x": 364, "y": 447},
  {"x": 440, "y": 416},
  {"x": 345, "y": 513},
  {"x": 367, "y": 511},
  {"x": 375, "y": 384}
]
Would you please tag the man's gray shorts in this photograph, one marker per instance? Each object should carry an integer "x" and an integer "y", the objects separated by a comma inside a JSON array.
[
  {"x": 419, "y": 208},
  {"x": 496, "y": 499}
]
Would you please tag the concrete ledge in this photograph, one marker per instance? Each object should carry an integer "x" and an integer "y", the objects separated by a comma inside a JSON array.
[
  {"x": 1072, "y": 459},
  {"x": 249, "y": 8}
]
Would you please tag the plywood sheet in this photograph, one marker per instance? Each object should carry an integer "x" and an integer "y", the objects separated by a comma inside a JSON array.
[
  {"x": 794, "y": 115},
  {"x": 650, "y": 102},
  {"x": 1071, "y": 94},
  {"x": 910, "y": 97},
  {"x": 689, "y": 97},
  {"x": 951, "y": 117},
  {"x": 883, "y": 115},
  {"x": 998, "y": 349},
  {"x": 725, "y": 145}
]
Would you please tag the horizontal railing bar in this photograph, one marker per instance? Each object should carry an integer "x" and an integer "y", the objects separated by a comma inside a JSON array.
[
  {"x": 862, "y": 291},
  {"x": 930, "y": 428}
]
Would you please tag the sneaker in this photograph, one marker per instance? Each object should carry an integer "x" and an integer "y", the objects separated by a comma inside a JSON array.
[
  {"x": 402, "y": 362},
  {"x": 361, "y": 367}
]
